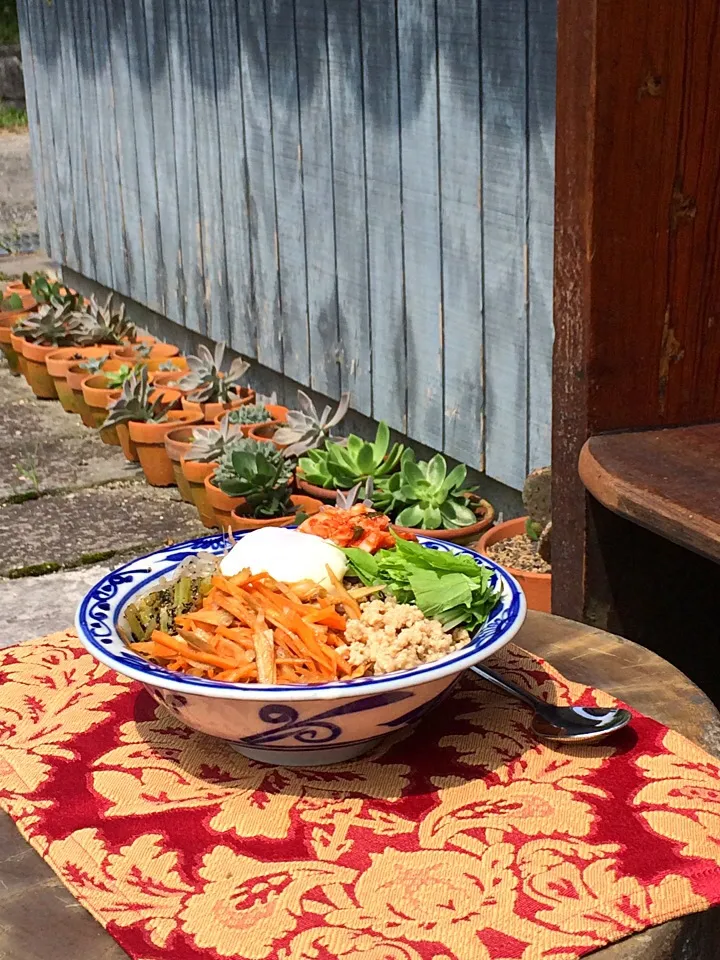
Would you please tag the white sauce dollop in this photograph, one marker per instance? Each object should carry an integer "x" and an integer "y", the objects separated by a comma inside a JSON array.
[{"x": 287, "y": 555}]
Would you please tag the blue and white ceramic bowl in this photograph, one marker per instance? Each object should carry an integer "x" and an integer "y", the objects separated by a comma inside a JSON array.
[{"x": 299, "y": 725}]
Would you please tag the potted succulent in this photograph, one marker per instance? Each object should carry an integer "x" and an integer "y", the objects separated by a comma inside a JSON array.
[
  {"x": 168, "y": 371},
  {"x": 13, "y": 308},
  {"x": 147, "y": 414},
  {"x": 54, "y": 325},
  {"x": 425, "y": 498},
  {"x": 258, "y": 478},
  {"x": 208, "y": 390},
  {"x": 61, "y": 360},
  {"x": 201, "y": 460},
  {"x": 251, "y": 415},
  {"x": 221, "y": 484},
  {"x": 46, "y": 291},
  {"x": 523, "y": 545},
  {"x": 304, "y": 429},
  {"x": 144, "y": 350},
  {"x": 178, "y": 443},
  {"x": 107, "y": 326},
  {"x": 342, "y": 465}
]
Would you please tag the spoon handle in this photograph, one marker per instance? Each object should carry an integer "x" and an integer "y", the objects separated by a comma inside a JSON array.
[{"x": 507, "y": 686}]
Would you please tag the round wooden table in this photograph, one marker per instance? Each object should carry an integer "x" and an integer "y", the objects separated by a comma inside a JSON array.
[{"x": 40, "y": 918}]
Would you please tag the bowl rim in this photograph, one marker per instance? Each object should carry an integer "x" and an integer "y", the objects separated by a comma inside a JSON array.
[{"x": 139, "y": 669}]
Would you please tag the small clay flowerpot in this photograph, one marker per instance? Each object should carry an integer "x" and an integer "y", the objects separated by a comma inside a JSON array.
[
  {"x": 211, "y": 411},
  {"x": 8, "y": 319},
  {"x": 59, "y": 362},
  {"x": 128, "y": 447},
  {"x": 75, "y": 377},
  {"x": 16, "y": 342},
  {"x": 537, "y": 587},
  {"x": 98, "y": 396},
  {"x": 240, "y": 521},
  {"x": 177, "y": 445},
  {"x": 221, "y": 504},
  {"x": 196, "y": 472},
  {"x": 277, "y": 416},
  {"x": 484, "y": 511},
  {"x": 265, "y": 433},
  {"x": 179, "y": 363},
  {"x": 149, "y": 440},
  {"x": 320, "y": 493},
  {"x": 166, "y": 378},
  {"x": 36, "y": 372},
  {"x": 158, "y": 351}
]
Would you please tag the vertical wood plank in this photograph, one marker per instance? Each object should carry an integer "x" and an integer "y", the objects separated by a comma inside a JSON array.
[
  {"x": 283, "y": 67},
  {"x": 241, "y": 322},
  {"x": 503, "y": 37},
  {"x": 210, "y": 187},
  {"x": 190, "y": 274},
  {"x": 348, "y": 151},
  {"x": 421, "y": 207},
  {"x": 141, "y": 82},
  {"x": 89, "y": 144},
  {"x": 40, "y": 146},
  {"x": 126, "y": 152},
  {"x": 461, "y": 184},
  {"x": 542, "y": 19},
  {"x": 108, "y": 162},
  {"x": 45, "y": 23},
  {"x": 71, "y": 120},
  {"x": 384, "y": 211},
  {"x": 260, "y": 183},
  {"x": 315, "y": 130},
  {"x": 157, "y": 44}
]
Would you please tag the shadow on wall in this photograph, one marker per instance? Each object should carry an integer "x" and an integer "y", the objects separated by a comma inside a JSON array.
[{"x": 285, "y": 20}]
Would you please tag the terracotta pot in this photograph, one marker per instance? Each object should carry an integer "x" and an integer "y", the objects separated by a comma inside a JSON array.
[
  {"x": 165, "y": 378},
  {"x": 75, "y": 376},
  {"x": 278, "y": 415},
  {"x": 128, "y": 447},
  {"x": 211, "y": 411},
  {"x": 484, "y": 511},
  {"x": 195, "y": 473},
  {"x": 177, "y": 444},
  {"x": 16, "y": 342},
  {"x": 36, "y": 373},
  {"x": 158, "y": 351},
  {"x": 98, "y": 396},
  {"x": 59, "y": 362},
  {"x": 180, "y": 364},
  {"x": 7, "y": 322},
  {"x": 238, "y": 521},
  {"x": 149, "y": 440},
  {"x": 222, "y": 505},
  {"x": 537, "y": 587},
  {"x": 320, "y": 493},
  {"x": 265, "y": 433}
]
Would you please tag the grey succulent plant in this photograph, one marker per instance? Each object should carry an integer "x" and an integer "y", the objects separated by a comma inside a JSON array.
[
  {"x": 305, "y": 429},
  {"x": 250, "y": 413},
  {"x": 206, "y": 382},
  {"x": 106, "y": 325},
  {"x": 94, "y": 364},
  {"x": 134, "y": 402},
  {"x": 209, "y": 442},
  {"x": 54, "y": 324}
]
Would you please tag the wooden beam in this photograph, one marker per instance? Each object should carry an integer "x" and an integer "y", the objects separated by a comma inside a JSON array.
[{"x": 637, "y": 244}]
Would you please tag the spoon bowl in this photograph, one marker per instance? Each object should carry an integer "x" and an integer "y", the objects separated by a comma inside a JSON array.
[{"x": 562, "y": 724}]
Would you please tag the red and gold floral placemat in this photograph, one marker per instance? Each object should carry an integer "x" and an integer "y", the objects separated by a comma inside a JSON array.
[{"x": 467, "y": 839}]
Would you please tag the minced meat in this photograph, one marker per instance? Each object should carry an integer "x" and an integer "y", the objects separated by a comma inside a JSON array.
[{"x": 392, "y": 636}]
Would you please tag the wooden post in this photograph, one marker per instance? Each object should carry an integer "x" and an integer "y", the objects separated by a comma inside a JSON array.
[{"x": 637, "y": 254}]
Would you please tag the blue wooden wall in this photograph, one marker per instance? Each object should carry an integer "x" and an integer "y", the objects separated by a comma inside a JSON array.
[{"x": 356, "y": 193}]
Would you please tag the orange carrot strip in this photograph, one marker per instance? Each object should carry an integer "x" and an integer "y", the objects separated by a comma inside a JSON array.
[
  {"x": 328, "y": 617},
  {"x": 165, "y": 640},
  {"x": 215, "y": 618},
  {"x": 238, "y": 635},
  {"x": 239, "y": 673}
]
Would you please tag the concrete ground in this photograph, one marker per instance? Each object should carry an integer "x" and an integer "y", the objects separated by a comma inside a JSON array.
[
  {"x": 71, "y": 508},
  {"x": 18, "y": 216}
]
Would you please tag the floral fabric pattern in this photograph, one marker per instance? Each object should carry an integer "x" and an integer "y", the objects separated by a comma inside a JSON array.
[{"x": 466, "y": 839}]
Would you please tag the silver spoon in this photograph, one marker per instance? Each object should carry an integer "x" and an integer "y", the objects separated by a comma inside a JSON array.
[{"x": 563, "y": 724}]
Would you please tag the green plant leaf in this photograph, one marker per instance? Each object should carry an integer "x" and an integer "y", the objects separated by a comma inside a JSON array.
[
  {"x": 456, "y": 515},
  {"x": 410, "y": 517},
  {"x": 436, "y": 470},
  {"x": 365, "y": 460},
  {"x": 382, "y": 441},
  {"x": 454, "y": 480},
  {"x": 432, "y": 518}
]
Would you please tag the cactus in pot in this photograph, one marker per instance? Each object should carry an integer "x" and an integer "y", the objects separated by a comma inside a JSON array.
[{"x": 537, "y": 499}]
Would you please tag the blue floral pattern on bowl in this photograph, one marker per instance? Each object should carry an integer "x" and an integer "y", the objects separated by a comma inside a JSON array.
[{"x": 298, "y": 725}]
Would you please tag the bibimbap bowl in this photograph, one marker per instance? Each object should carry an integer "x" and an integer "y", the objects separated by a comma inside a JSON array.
[{"x": 290, "y": 725}]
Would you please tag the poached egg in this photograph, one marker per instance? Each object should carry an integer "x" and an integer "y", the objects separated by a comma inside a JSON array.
[{"x": 287, "y": 555}]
